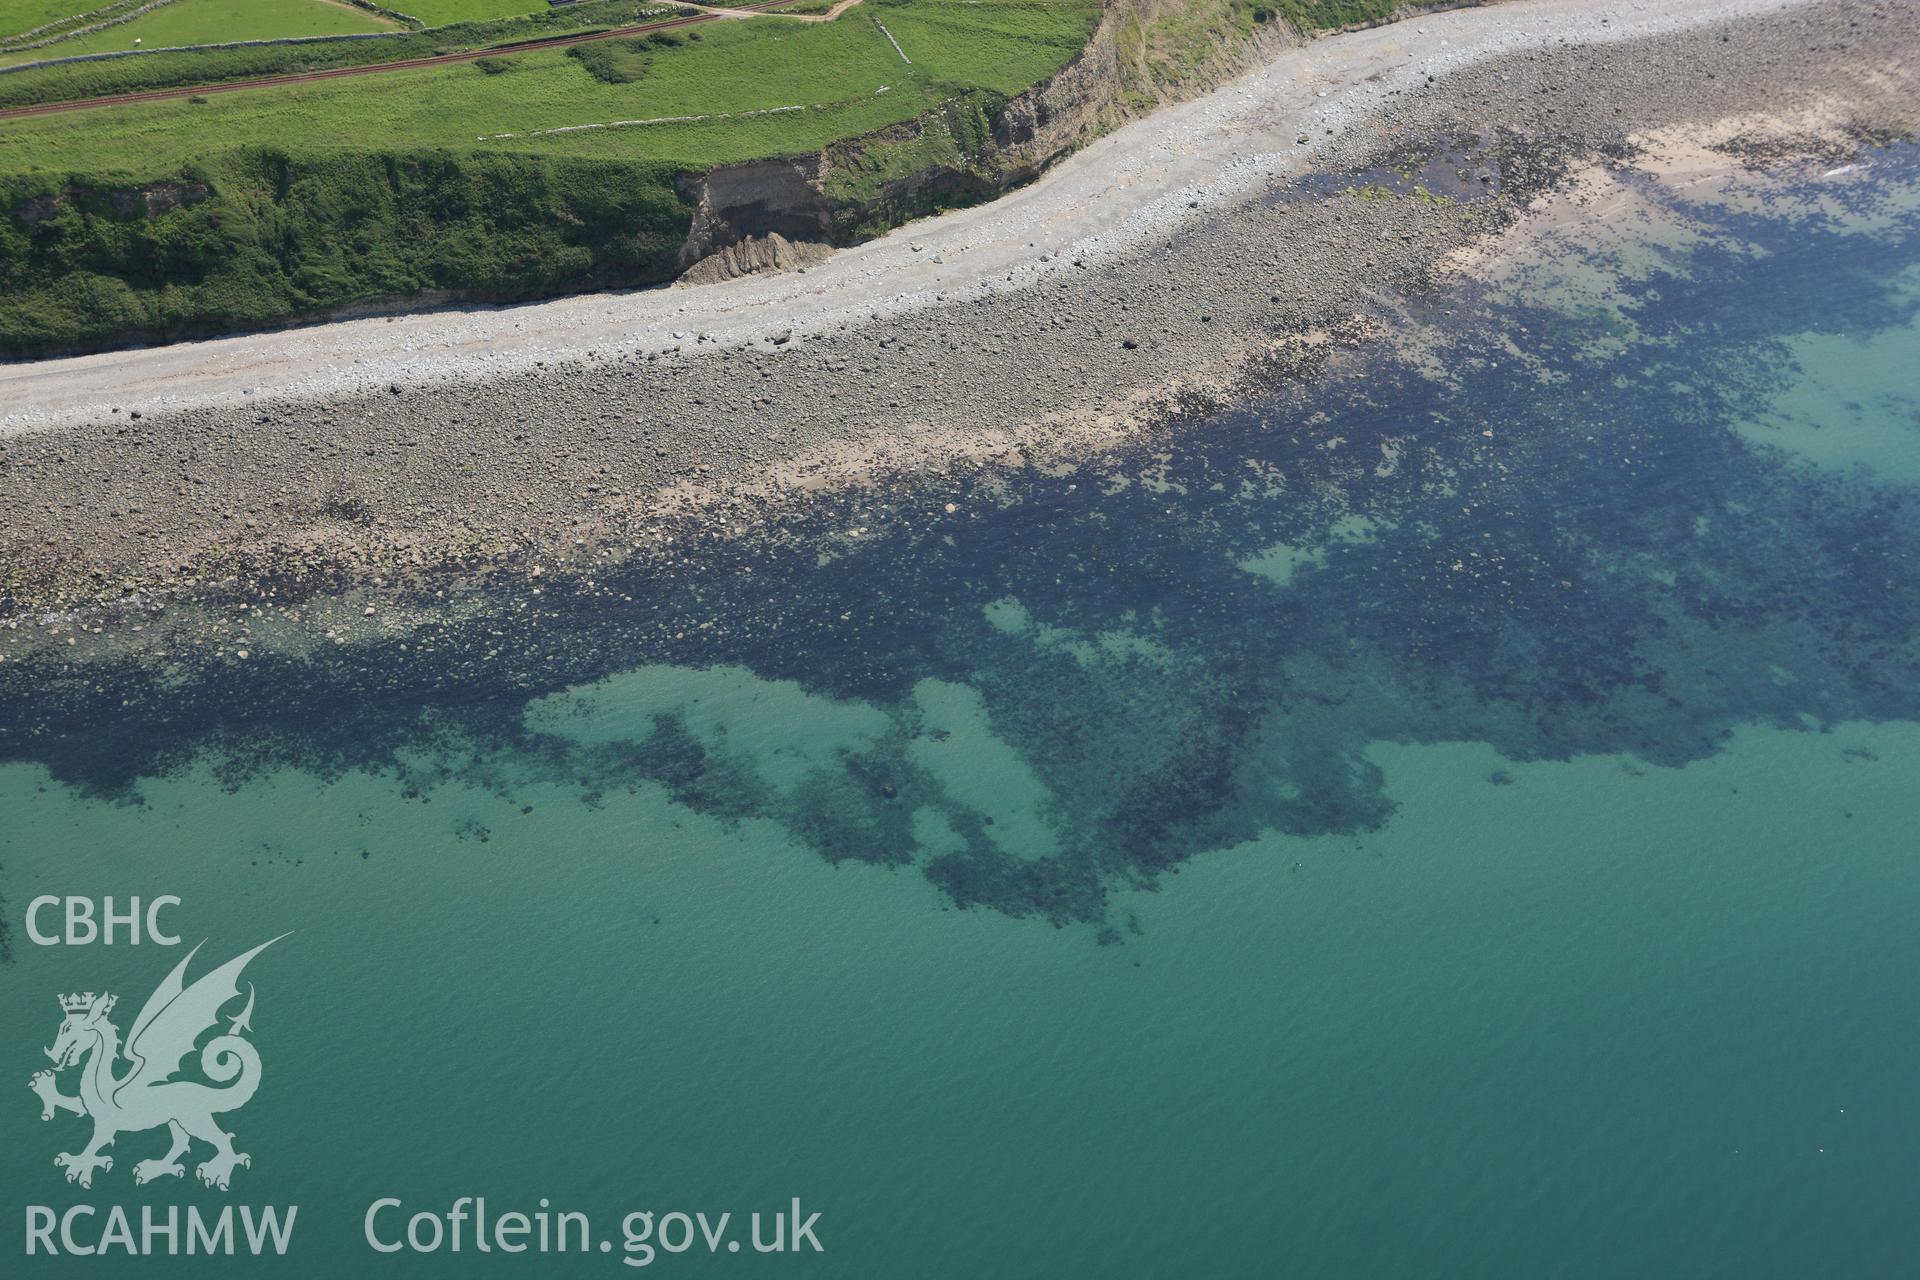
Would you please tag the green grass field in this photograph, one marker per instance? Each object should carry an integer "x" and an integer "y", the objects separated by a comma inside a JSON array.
[
  {"x": 17, "y": 16},
  {"x": 439, "y": 13},
  {"x": 214, "y": 65},
  {"x": 194, "y": 22},
  {"x": 835, "y": 70}
]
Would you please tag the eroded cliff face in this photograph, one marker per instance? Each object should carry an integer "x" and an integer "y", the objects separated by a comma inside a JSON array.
[
  {"x": 1144, "y": 54},
  {"x": 740, "y": 202},
  {"x": 1141, "y": 55}
]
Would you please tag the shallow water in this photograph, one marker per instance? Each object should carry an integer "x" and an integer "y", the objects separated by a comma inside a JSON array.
[{"x": 1424, "y": 823}]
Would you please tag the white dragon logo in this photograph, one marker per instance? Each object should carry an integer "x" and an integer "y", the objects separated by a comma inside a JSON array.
[{"x": 146, "y": 1097}]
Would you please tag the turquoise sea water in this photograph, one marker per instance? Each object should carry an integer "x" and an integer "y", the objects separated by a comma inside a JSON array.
[{"x": 1331, "y": 841}]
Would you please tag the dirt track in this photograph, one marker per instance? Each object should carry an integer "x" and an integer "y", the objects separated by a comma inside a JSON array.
[{"x": 406, "y": 64}]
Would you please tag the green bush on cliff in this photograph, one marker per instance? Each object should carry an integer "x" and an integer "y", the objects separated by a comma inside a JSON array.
[
  {"x": 912, "y": 171},
  {"x": 624, "y": 61},
  {"x": 261, "y": 235}
]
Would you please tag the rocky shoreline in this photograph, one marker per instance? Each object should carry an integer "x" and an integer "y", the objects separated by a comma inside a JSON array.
[{"x": 348, "y": 501}]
